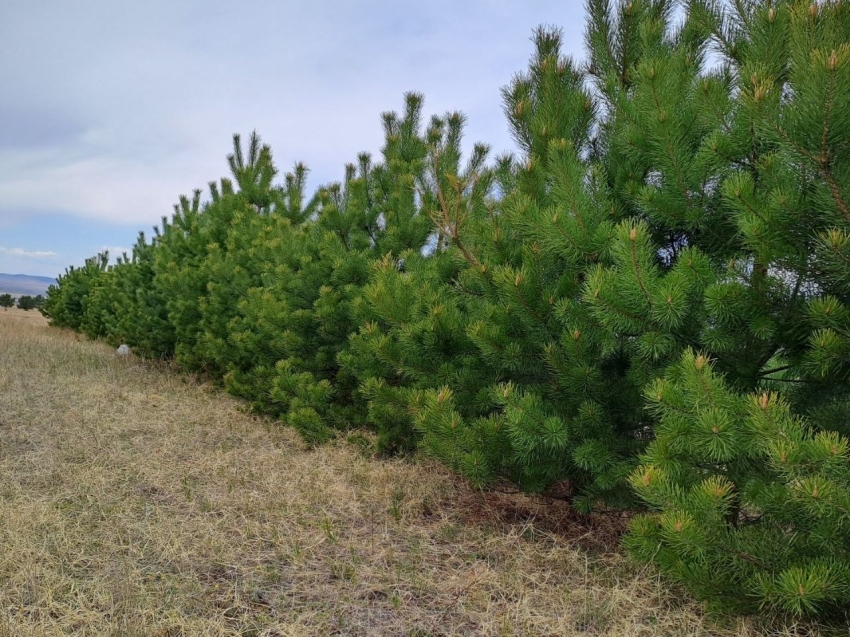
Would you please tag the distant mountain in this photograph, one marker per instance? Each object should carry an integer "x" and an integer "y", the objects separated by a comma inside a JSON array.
[{"x": 18, "y": 284}]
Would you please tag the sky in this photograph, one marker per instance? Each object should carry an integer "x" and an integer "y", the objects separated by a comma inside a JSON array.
[{"x": 112, "y": 109}]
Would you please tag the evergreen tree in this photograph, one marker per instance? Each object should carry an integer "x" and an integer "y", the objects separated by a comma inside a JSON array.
[
  {"x": 514, "y": 380},
  {"x": 412, "y": 334},
  {"x": 99, "y": 306},
  {"x": 753, "y": 500},
  {"x": 181, "y": 246},
  {"x": 748, "y": 470},
  {"x": 294, "y": 329},
  {"x": 140, "y": 310},
  {"x": 6, "y": 301},
  {"x": 67, "y": 301}
]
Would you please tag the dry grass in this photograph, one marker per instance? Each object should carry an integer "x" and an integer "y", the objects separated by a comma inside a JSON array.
[
  {"x": 15, "y": 317},
  {"x": 135, "y": 502}
]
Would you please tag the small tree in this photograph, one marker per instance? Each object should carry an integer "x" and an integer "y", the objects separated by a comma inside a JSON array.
[
  {"x": 6, "y": 301},
  {"x": 26, "y": 302},
  {"x": 67, "y": 302}
]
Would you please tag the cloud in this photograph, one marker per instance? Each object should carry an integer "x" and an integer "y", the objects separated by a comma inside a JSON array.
[
  {"x": 115, "y": 109},
  {"x": 111, "y": 110},
  {"x": 33, "y": 254}
]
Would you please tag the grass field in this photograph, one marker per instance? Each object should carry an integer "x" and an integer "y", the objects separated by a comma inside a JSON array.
[
  {"x": 13, "y": 317},
  {"x": 138, "y": 502}
]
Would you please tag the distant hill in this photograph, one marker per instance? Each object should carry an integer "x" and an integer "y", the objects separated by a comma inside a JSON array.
[{"x": 18, "y": 284}]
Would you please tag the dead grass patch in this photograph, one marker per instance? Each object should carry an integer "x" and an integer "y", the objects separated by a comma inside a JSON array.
[
  {"x": 135, "y": 502},
  {"x": 17, "y": 316}
]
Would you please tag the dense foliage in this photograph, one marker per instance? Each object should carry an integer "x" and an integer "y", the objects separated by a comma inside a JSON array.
[
  {"x": 27, "y": 302},
  {"x": 646, "y": 308}
]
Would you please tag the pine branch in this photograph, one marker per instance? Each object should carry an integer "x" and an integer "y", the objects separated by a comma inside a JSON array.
[
  {"x": 825, "y": 161},
  {"x": 835, "y": 191},
  {"x": 823, "y": 166},
  {"x": 801, "y": 381},
  {"x": 444, "y": 221},
  {"x": 782, "y": 368},
  {"x": 635, "y": 265},
  {"x": 670, "y": 151}
]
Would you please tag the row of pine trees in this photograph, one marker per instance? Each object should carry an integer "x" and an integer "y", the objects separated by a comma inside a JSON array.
[{"x": 645, "y": 309}]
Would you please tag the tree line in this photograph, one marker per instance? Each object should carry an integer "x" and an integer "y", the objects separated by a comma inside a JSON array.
[
  {"x": 24, "y": 302},
  {"x": 645, "y": 308}
]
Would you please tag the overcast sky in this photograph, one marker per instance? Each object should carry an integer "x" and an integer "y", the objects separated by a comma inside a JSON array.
[{"x": 111, "y": 109}]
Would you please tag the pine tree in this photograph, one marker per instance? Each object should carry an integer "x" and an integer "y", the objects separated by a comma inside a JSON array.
[
  {"x": 26, "y": 302},
  {"x": 412, "y": 335},
  {"x": 512, "y": 380},
  {"x": 6, "y": 301},
  {"x": 229, "y": 267},
  {"x": 67, "y": 301},
  {"x": 754, "y": 501},
  {"x": 180, "y": 249},
  {"x": 748, "y": 470},
  {"x": 295, "y": 328},
  {"x": 138, "y": 311}
]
